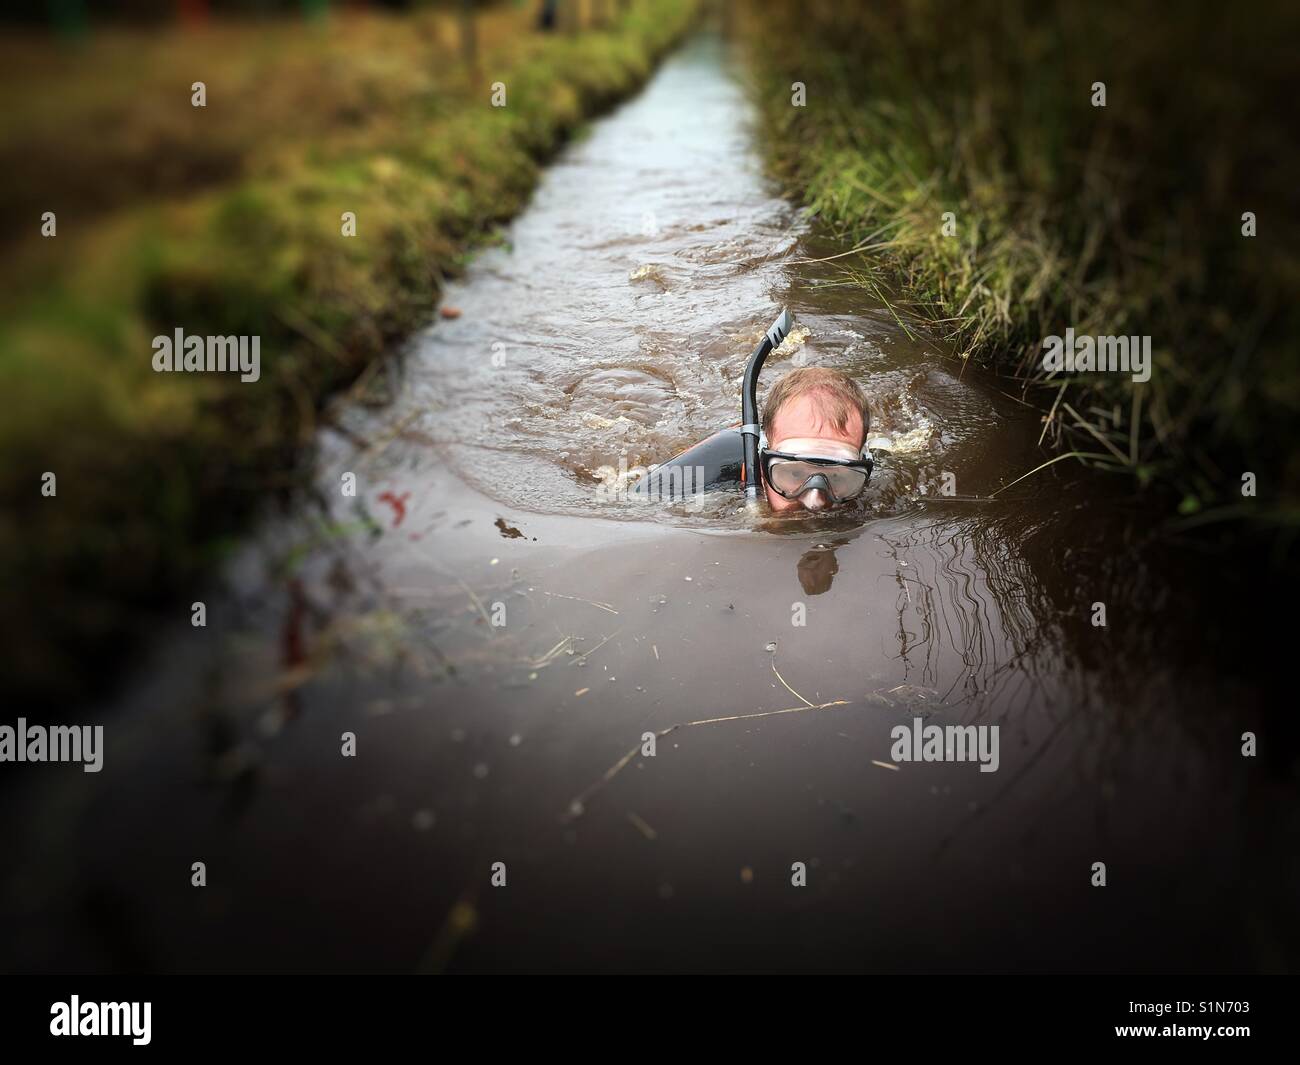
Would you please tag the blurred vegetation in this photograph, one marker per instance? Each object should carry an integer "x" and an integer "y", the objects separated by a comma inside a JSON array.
[
  {"x": 227, "y": 220},
  {"x": 1116, "y": 220},
  {"x": 84, "y": 14}
]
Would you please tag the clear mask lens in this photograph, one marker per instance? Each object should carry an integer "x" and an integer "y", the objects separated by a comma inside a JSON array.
[{"x": 791, "y": 477}]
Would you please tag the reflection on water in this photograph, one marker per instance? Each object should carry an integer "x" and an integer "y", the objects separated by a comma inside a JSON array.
[
  {"x": 817, "y": 569},
  {"x": 498, "y": 640}
]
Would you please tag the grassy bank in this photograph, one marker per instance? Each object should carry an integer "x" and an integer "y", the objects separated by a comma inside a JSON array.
[
  {"x": 227, "y": 220},
  {"x": 1117, "y": 220}
]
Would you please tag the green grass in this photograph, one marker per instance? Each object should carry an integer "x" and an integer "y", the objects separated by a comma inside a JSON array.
[
  {"x": 1122, "y": 220},
  {"x": 156, "y": 470}
]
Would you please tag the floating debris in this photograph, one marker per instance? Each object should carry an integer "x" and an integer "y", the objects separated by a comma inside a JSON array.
[
  {"x": 642, "y": 827},
  {"x": 912, "y": 696},
  {"x": 579, "y": 599},
  {"x": 787, "y": 687},
  {"x": 579, "y": 803},
  {"x": 508, "y": 531},
  {"x": 582, "y": 661},
  {"x": 563, "y": 647}
]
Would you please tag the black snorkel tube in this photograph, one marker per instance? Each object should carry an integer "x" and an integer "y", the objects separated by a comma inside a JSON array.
[{"x": 749, "y": 426}]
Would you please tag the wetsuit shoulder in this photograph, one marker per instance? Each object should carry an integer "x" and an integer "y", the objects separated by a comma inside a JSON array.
[{"x": 713, "y": 463}]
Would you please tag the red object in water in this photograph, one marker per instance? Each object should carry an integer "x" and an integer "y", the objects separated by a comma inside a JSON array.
[
  {"x": 398, "y": 503},
  {"x": 449, "y": 312}
]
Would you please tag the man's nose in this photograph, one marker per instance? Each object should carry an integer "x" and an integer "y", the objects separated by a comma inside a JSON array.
[{"x": 814, "y": 499}]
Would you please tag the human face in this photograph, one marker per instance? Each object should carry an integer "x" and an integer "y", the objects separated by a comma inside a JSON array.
[{"x": 801, "y": 428}]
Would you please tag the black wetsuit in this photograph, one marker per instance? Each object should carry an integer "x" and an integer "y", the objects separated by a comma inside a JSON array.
[{"x": 717, "y": 462}]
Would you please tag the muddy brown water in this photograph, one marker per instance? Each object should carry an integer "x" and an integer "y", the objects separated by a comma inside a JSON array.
[{"x": 612, "y": 326}]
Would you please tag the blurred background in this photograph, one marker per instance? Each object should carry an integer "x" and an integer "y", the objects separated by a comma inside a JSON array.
[{"x": 228, "y": 217}]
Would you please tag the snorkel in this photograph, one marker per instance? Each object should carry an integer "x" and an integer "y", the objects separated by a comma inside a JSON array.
[{"x": 749, "y": 426}]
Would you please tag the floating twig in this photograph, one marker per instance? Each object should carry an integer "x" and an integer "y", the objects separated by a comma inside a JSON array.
[
  {"x": 479, "y": 604},
  {"x": 579, "y": 599},
  {"x": 787, "y": 687},
  {"x": 553, "y": 653},
  {"x": 1049, "y": 462},
  {"x": 587, "y": 654},
  {"x": 578, "y": 806},
  {"x": 642, "y": 827}
]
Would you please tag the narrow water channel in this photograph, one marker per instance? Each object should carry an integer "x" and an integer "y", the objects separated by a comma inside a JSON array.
[{"x": 609, "y": 327}]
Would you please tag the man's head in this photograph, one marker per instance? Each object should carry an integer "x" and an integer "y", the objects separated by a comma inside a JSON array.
[{"x": 818, "y": 412}]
